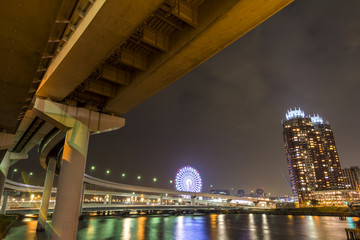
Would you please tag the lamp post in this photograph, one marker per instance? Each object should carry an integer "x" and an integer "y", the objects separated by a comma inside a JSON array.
[
  {"x": 30, "y": 174},
  {"x": 139, "y": 177},
  {"x": 123, "y": 175},
  {"x": 12, "y": 174},
  {"x": 154, "y": 180}
]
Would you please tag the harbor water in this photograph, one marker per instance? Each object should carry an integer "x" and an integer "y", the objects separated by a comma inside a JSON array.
[{"x": 213, "y": 226}]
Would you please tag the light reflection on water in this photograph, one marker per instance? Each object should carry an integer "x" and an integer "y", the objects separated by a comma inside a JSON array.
[
  {"x": 213, "y": 226},
  {"x": 265, "y": 227}
]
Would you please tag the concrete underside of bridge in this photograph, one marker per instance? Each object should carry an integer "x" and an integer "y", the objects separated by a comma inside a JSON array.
[
  {"x": 25, "y": 28},
  {"x": 102, "y": 59}
]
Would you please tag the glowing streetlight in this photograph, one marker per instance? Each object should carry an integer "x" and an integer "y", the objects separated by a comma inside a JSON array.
[
  {"x": 155, "y": 179},
  {"x": 123, "y": 174},
  {"x": 138, "y": 177},
  {"x": 171, "y": 181},
  {"x": 14, "y": 171},
  {"x": 28, "y": 180},
  {"x": 211, "y": 185},
  {"x": 92, "y": 168},
  {"x": 108, "y": 172}
]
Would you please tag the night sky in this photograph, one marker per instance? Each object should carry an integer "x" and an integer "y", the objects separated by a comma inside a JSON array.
[{"x": 224, "y": 117}]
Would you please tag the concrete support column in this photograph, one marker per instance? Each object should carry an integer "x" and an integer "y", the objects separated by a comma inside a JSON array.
[
  {"x": 105, "y": 200},
  {"x": 82, "y": 200},
  {"x": 66, "y": 214},
  {"x": 193, "y": 200},
  {"x": 78, "y": 123},
  {"x": 109, "y": 199},
  {"x": 49, "y": 179},
  {"x": 3, "y": 205},
  {"x": 4, "y": 168},
  {"x": 161, "y": 199}
]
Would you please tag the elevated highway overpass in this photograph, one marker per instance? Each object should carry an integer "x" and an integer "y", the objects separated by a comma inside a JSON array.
[
  {"x": 204, "y": 201},
  {"x": 126, "y": 190},
  {"x": 74, "y": 68}
]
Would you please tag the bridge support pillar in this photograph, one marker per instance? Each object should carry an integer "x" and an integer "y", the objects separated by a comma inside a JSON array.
[
  {"x": 3, "y": 205},
  {"x": 110, "y": 199},
  {"x": 49, "y": 179},
  {"x": 66, "y": 213},
  {"x": 193, "y": 200},
  {"x": 78, "y": 123},
  {"x": 82, "y": 200},
  {"x": 4, "y": 168},
  {"x": 5, "y": 164}
]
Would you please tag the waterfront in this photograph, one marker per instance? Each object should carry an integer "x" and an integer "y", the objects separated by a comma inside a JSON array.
[{"x": 213, "y": 226}]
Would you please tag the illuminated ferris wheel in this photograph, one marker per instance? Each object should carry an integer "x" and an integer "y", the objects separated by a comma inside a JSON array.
[{"x": 188, "y": 180}]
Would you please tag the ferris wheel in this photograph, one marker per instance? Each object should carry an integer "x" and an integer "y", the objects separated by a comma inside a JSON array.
[{"x": 188, "y": 180}]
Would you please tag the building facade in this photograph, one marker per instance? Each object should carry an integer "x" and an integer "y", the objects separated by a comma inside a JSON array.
[
  {"x": 311, "y": 154},
  {"x": 352, "y": 178},
  {"x": 336, "y": 197}
]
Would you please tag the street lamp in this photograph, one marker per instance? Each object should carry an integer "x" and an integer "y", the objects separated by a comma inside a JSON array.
[
  {"x": 139, "y": 177},
  {"x": 92, "y": 168},
  {"x": 12, "y": 174},
  {"x": 123, "y": 174},
  {"x": 155, "y": 180},
  {"x": 171, "y": 181},
  {"x": 107, "y": 172},
  {"x": 30, "y": 174}
]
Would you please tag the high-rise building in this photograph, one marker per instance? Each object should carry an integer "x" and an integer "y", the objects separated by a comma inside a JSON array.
[
  {"x": 260, "y": 192},
  {"x": 241, "y": 193},
  {"x": 311, "y": 154},
  {"x": 352, "y": 178}
]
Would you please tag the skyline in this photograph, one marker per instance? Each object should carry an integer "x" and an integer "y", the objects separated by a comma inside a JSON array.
[{"x": 223, "y": 125}]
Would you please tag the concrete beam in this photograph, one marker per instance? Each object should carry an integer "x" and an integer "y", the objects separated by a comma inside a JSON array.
[
  {"x": 115, "y": 75},
  {"x": 218, "y": 26},
  {"x": 155, "y": 38},
  {"x": 106, "y": 25},
  {"x": 6, "y": 140},
  {"x": 24, "y": 125},
  {"x": 100, "y": 87},
  {"x": 65, "y": 117},
  {"x": 18, "y": 156},
  {"x": 185, "y": 12}
]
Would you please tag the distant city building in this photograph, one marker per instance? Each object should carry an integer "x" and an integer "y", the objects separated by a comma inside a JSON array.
[
  {"x": 220, "y": 191},
  {"x": 241, "y": 193},
  {"x": 312, "y": 158},
  {"x": 352, "y": 178},
  {"x": 260, "y": 192}
]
